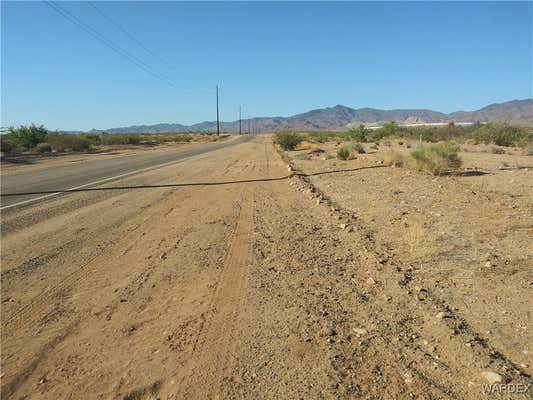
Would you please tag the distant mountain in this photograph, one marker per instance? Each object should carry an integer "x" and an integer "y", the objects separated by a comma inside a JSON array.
[
  {"x": 517, "y": 112},
  {"x": 147, "y": 129}
]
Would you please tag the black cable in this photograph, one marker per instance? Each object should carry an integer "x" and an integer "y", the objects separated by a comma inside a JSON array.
[
  {"x": 128, "y": 34},
  {"x": 116, "y": 48}
]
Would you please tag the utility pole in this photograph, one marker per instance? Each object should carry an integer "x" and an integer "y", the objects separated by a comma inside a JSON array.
[
  {"x": 240, "y": 121},
  {"x": 218, "y": 117}
]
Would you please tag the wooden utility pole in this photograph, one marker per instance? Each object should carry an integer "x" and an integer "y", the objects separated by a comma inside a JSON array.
[
  {"x": 218, "y": 117},
  {"x": 240, "y": 121}
]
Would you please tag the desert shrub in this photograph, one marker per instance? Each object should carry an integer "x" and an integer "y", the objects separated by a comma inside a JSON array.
[
  {"x": 319, "y": 137},
  {"x": 392, "y": 158},
  {"x": 92, "y": 138},
  {"x": 66, "y": 142},
  {"x": 328, "y": 157},
  {"x": 388, "y": 129},
  {"x": 162, "y": 139},
  {"x": 43, "y": 148},
  {"x": 359, "y": 134},
  {"x": 181, "y": 138},
  {"x": 436, "y": 159},
  {"x": 25, "y": 137},
  {"x": 343, "y": 153},
  {"x": 495, "y": 133},
  {"x": 358, "y": 148},
  {"x": 5, "y": 145},
  {"x": 119, "y": 138},
  {"x": 337, "y": 137},
  {"x": 288, "y": 141},
  {"x": 498, "y": 134}
]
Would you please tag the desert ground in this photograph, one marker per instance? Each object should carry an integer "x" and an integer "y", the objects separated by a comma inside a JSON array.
[{"x": 282, "y": 275}]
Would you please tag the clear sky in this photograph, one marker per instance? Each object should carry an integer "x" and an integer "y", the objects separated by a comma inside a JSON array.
[{"x": 273, "y": 58}]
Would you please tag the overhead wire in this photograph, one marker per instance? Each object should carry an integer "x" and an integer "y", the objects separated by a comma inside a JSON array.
[
  {"x": 127, "y": 33},
  {"x": 108, "y": 42}
]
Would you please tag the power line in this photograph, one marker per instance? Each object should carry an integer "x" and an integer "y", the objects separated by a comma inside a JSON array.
[
  {"x": 127, "y": 33},
  {"x": 107, "y": 42},
  {"x": 218, "y": 118}
]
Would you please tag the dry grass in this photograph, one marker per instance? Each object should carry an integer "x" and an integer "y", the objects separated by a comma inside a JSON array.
[
  {"x": 436, "y": 159},
  {"x": 393, "y": 158}
]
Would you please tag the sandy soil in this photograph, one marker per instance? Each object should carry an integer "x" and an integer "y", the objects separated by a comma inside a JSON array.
[{"x": 270, "y": 289}]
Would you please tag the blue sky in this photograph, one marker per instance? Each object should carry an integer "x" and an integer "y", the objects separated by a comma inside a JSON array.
[{"x": 273, "y": 58}]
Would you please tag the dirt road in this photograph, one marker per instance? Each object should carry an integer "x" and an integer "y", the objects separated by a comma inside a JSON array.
[{"x": 244, "y": 290}]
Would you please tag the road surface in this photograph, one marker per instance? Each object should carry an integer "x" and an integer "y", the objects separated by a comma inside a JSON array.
[{"x": 75, "y": 175}]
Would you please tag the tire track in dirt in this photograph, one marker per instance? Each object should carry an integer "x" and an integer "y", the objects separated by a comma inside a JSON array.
[
  {"x": 61, "y": 291},
  {"x": 79, "y": 273},
  {"x": 211, "y": 358}
]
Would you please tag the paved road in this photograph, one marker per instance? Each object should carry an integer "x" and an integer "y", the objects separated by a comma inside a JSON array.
[{"x": 63, "y": 177}]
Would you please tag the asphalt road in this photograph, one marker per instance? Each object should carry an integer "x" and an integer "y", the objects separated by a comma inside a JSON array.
[{"x": 44, "y": 182}]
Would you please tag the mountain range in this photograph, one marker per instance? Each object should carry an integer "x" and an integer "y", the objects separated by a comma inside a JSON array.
[{"x": 339, "y": 117}]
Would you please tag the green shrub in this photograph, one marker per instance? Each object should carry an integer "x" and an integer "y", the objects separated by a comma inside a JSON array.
[
  {"x": 288, "y": 141},
  {"x": 498, "y": 134},
  {"x": 328, "y": 157},
  {"x": 119, "y": 138},
  {"x": 62, "y": 142},
  {"x": 343, "y": 153},
  {"x": 26, "y": 137},
  {"x": 5, "y": 145},
  {"x": 436, "y": 159},
  {"x": 359, "y": 134},
  {"x": 43, "y": 148},
  {"x": 319, "y": 137},
  {"x": 181, "y": 138},
  {"x": 162, "y": 139},
  {"x": 92, "y": 138},
  {"x": 388, "y": 129},
  {"x": 491, "y": 133}
]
